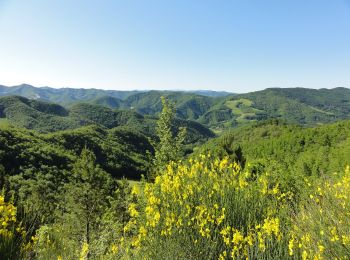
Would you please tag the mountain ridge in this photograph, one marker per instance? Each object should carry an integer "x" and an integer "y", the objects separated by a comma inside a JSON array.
[{"x": 297, "y": 105}]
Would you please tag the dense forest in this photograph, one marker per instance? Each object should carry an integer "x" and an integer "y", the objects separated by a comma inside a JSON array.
[
  {"x": 216, "y": 110},
  {"x": 93, "y": 174}
]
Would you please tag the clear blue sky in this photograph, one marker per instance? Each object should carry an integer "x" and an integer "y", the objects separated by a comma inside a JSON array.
[{"x": 238, "y": 46}]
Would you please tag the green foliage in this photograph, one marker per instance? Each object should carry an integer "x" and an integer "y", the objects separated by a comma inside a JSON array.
[
  {"x": 36, "y": 167},
  {"x": 85, "y": 194},
  {"x": 216, "y": 110},
  {"x": 37, "y": 115},
  {"x": 210, "y": 208},
  {"x": 291, "y": 149},
  {"x": 302, "y": 106},
  {"x": 258, "y": 190},
  {"x": 119, "y": 151},
  {"x": 90, "y": 213},
  {"x": 48, "y": 117},
  {"x": 104, "y": 116},
  {"x": 188, "y": 105},
  {"x": 108, "y": 101},
  {"x": 169, "y": 147}
]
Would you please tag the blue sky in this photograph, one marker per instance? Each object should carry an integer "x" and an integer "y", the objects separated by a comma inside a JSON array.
[{"x": 238, "y": 46}]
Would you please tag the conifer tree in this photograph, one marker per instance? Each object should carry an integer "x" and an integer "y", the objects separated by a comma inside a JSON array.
[
  {"x": 86, "y": 196},
  {"x": 171, "y": 138}
]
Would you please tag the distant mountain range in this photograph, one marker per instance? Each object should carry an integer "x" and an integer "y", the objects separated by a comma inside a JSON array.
[
  {"x": 70, "y": 95},
  {"x": 216, "y": 110}
]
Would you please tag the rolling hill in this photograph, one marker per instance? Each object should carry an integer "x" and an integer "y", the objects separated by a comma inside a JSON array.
[
  {"x": 215, "y": 110},
  {"x": 295, "y": 105},
  {"x": 63, "y": 96},
  {"x": 66, "y": 96},
  {"x": 37, "y": 115},
  {"x": 272, "y": 146},
  {"x": 49, "y": 117},
  {"x": 120, "y": 151}
]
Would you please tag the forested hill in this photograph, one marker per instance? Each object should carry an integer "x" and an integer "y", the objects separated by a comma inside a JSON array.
[
  {"x": 49, "y": 117},
  {"x": 295, "y": 105},
  {"x": 24, "y": 154},
  {"x": 274, "y": 146},
  {"x": 216, "y": 110}
]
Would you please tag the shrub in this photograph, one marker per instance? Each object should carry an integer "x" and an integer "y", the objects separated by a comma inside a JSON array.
[
  {"x": 209, "y": 208},
  {"x": 321, "y": 228},
  {"x": 12, "y": 235}
]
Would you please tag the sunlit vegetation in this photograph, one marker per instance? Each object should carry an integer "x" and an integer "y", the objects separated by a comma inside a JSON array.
[
  {"x": 124, "y": 184},
  {"x": 209, "y": 208},
  {"x": 206, "y": 207},
  {"x": 216, "y": 110},
  {"x": 321, "y": 229},
  {"x": 12, "y": 233}
]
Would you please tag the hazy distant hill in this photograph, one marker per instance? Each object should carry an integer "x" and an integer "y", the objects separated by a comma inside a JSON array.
[
  {"x": 67, "y": 96},
  {"x": 211, "y": 93},
  {"x": 62, "y": 96}
]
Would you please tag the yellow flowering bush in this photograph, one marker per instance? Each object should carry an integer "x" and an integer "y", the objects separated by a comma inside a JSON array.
[
  {"x": 321, "y": 229},
  {"x": 12, "y": 234},
  {"x": 208, "y": 208},
  {"x": 7, "y": 218},
  {"x": 84, "y": 251}
]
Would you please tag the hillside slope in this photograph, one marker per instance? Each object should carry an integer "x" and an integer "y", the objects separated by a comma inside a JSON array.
[
  {"x": 291, "y": 149},
  {"x": 120, "y": 151},
  {"x": 296, "y": 105},
  {"x": 307, "y": 107},
  {"x": 48, "y": 117},
  {"x": 38, "y": 115}
]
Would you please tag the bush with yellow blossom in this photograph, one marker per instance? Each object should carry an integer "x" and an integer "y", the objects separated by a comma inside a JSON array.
[
  {"x": 321, "y": 229},
  {"x": 209, "y": 208},
  {"x": 11, "y": 233}
]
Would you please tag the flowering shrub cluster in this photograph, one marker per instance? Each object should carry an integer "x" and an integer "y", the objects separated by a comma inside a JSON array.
[
  {"x": 321, "y": 229},
  {"x": 208, "y": 208},
  {"x": 12, "y": 234},
  {"x": 7, "y": 218}
]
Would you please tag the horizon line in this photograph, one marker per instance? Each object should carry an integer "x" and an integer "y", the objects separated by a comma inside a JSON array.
[{"x": 171, "y": 90}]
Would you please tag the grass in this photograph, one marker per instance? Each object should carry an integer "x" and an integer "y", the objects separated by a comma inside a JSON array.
[{"x": 243, "y": 108}]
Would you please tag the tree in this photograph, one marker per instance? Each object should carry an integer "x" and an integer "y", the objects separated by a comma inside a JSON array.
[
  {"x": 90, "y": 215},
  {"x": 171, "y": 138},
  {"x": 87, "y": 197}
]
